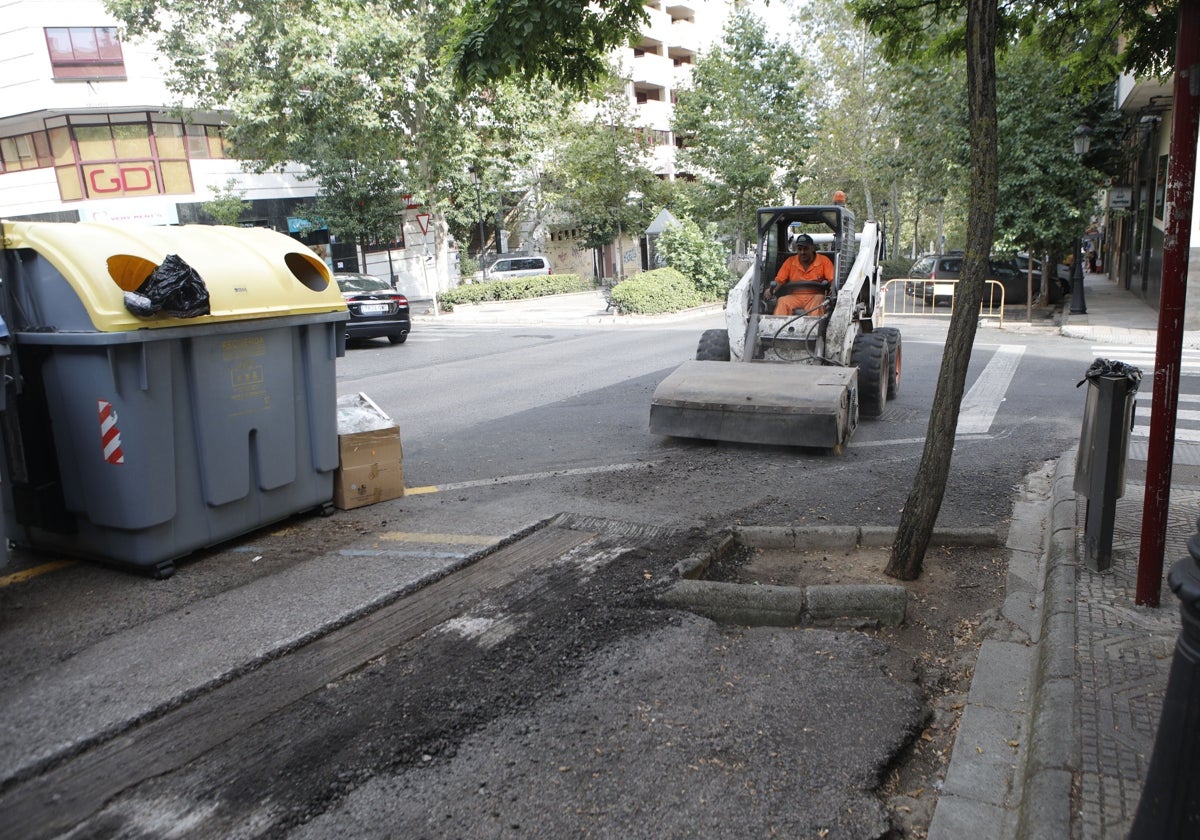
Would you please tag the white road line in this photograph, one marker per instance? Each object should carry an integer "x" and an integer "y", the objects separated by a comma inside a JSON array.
[
  {"x": 1143, "y": 358},
  {"x": 980, "y": 404},
  {"x": 858, "y": 444},
  {"x": 1192, "y": 435},
  {"x": 1144, "y": 408},
  {"x": 509, "y": 479}
]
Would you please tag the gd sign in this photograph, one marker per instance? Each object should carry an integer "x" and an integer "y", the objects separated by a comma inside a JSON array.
[{"x": 110, "y": 178}]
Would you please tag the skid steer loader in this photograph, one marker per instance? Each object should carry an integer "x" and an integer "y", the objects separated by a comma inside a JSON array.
[{"x": 799, "y": 379}]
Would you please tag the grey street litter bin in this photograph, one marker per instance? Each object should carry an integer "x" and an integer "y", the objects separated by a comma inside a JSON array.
[
  {"x": 1103, "y": 447},
  {"x": 135, "y": 439}
]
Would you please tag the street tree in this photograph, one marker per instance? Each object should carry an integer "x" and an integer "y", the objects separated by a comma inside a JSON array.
[
  {"x": 853, "y": 120},
  {"x": 356, "y": 93},
  {"x": 227, "y": 204},
  {"x": 926, "y": 161},
  {"x": 745, "y": 120},
  {"x": 899, "y": 24},
  {"x": 566, "y": 41},
  {"x": 1045, "y": 189},
  {"x": 934, "y": 29},
  {"x": 598, "y": 176}
]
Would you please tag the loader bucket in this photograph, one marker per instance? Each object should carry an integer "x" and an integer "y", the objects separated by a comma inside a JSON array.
[{"x": 758, "y": 402}]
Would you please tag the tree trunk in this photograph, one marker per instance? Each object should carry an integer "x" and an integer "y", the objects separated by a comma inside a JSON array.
[{"x": 929, "y": 486}]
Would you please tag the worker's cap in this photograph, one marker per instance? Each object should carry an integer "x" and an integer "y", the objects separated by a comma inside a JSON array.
[{"x": 804, "y": 239}]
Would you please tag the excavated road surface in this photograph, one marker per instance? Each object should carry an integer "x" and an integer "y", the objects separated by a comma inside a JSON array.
[{"x": 536, "y": 692}]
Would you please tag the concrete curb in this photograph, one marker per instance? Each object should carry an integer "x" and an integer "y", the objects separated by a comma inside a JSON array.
[
  {"x": 757, "y": 605},
  {"x": 1016, "y": 751},
  {"x": 1054, "y": 759}
]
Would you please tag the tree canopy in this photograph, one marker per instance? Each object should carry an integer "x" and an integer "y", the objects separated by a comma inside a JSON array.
[
  {"x": 745, "y": 120},
  {"x": 357, "y": 93},
  {"x": 565, "y": 41}
]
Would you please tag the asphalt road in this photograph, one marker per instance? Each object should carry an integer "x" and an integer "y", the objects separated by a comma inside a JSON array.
[{"x": 503, "y": 428}]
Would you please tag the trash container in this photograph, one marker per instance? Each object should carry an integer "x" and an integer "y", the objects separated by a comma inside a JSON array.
[
  {"x": 1103, "y": 448},
  {"x": 135, "y": 439}
]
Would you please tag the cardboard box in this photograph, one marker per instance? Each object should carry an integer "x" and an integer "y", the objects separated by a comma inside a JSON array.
[{"x": 370, "y": 456}]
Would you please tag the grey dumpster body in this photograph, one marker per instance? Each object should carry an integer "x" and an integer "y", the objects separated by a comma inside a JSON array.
[{"x": 136, "y": 441}]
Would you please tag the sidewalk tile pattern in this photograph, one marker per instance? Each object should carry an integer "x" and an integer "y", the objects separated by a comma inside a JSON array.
[{"x": 1124, "y": 653}]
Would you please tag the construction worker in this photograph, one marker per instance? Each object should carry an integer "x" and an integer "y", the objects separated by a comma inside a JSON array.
[{"x": 805, "y": 266}]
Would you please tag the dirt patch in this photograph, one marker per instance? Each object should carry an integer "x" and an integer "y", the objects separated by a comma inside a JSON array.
[{"x": 952, "y": 607}]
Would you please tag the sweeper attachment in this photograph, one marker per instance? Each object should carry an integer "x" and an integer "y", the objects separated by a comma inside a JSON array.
[{"x": 801, "y": 378}]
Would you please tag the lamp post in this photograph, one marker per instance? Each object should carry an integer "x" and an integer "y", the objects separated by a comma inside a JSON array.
[
  {"x": 479, "y": 209},
  {"x": 1082, "y": 140},
  {"x": 883, "y": 205}
]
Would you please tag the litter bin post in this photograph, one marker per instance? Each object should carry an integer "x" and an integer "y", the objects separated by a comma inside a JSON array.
[{"x": 1103, "y": 444}]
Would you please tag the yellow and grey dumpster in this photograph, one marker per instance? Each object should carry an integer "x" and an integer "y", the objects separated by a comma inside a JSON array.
[{"x": 136, "y": 439}]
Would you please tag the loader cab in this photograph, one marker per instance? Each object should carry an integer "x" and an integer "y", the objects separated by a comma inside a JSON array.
[{"x": 831, "y": 227}]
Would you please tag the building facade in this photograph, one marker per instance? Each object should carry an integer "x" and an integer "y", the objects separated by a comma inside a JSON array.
[
  {"x": 88, "y": 133},
  {"x": 654, "y": 69},
  {"x": 1135, "y": 213}
]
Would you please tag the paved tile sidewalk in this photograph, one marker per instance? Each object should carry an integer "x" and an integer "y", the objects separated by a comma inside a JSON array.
[{"x": 1124, "y": 653}]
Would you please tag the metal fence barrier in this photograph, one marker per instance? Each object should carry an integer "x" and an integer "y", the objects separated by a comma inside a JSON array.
[{"x": 906, "y": 298}]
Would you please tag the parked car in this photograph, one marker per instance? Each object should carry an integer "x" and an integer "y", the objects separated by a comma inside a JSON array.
[
  {"x": 935, "y": 267},
  {"x": 1059, "y": 289},
  {"x": 506, "y": 268},
  {"x": 376, "y": 309}
]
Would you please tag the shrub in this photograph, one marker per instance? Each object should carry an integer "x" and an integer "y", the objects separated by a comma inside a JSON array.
[
  {"x": 697, "y": 254},
  {"x": 656, "y": 292},
  {"x": 895, "y": 267},
  {"x": 518, "y": 288}
]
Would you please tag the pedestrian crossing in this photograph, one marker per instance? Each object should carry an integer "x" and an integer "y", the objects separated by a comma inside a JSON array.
[
  {"x": 423, "y": 334},
  {"x": 1187, "y": 414}
]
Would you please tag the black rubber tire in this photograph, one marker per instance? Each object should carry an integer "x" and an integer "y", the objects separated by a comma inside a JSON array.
[
  {"x": 714, "y": 346},
  {"x": 870, "y": 356},
  {"x": 398, "y": 339},
  {"x": 896, "y": 357}
]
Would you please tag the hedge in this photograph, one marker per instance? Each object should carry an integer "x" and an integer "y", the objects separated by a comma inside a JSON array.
[
  {"x": 656, "y": 292},
  {"x": 518, "y": 288}
]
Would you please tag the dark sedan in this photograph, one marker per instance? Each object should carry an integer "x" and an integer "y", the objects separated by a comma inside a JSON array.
[
  {"x": 948, "y": 268},
  {"x": 376, "y": 309}
]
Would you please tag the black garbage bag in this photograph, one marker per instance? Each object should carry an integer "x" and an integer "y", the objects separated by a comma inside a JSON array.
[
  {"x": 1113, "y": 370},
  {"x": 174, "y": 288}
]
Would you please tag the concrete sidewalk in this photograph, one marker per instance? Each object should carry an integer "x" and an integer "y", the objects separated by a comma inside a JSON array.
[{"x": 1059, "y": 727}]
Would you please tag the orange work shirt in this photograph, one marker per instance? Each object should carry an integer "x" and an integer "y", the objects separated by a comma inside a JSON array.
[{"x": 821, "y": 268}]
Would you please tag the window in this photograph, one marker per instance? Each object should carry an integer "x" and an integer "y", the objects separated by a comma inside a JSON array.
[
  {"x": 25, "y": 151},
  {"x": 85, "y": 52}
]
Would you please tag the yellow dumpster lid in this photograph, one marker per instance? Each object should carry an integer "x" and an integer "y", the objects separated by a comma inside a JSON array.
[{"x": 248, "y": 272}]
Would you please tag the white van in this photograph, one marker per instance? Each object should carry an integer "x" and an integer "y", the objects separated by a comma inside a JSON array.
[{"x": 508, "y": 267}]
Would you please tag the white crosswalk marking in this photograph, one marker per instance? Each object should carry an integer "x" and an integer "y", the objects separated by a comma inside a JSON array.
[
  {"x": 1142, "y": 357},
  {"x": 980, "y": 404},
  {"x": 1187, "y": 413}
]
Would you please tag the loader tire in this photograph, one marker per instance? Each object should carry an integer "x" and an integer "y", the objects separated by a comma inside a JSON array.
[
  {"x": 714, "y": 346},
  {"x": 870, "y": 356},
  {"x": 895, "y": 356}
]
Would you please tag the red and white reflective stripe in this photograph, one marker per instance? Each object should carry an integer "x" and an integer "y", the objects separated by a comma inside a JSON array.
[{"x": 110, "y": 435}]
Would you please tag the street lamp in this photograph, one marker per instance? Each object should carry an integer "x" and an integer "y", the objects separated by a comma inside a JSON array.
[
  {"x": 479, "y": 210},
  {"x": 1082, "y": 138}
]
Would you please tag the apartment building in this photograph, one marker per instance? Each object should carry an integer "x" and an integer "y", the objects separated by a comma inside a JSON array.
[
  {"x": 654, "y": 68},
  {"x": 1132, "y": 228}
]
